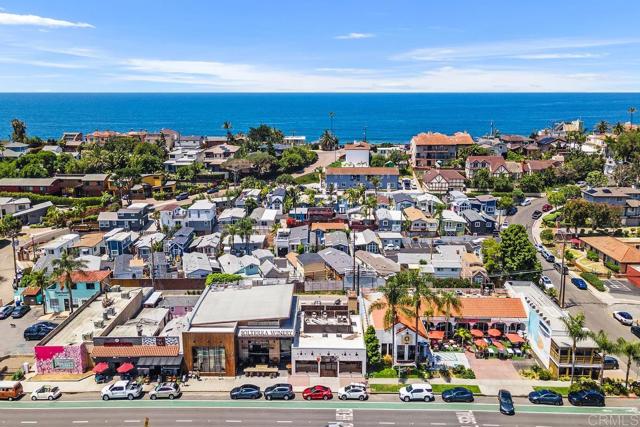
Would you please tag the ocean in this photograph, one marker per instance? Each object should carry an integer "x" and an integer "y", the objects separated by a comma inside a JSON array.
[{"x": 384, "y": 117}]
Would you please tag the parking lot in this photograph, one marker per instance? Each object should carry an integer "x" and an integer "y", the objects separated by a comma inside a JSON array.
[
  {"x": 618, "y": 286},
  {"x": 12, "y": 340}
]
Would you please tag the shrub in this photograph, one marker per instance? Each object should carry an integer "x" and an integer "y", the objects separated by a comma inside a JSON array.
[
  {"x": 56, "y": 200},
  {"x": 593, "y": 280},
  {"x": 544, "y": 375},
  {"x": 584, "y": 384},
  {"x": 459, "y": 371},
  {"x": 614, "y": 387},
  {"x": 546, "y": 235},
  {"x": 215, "y": 278},
  {"x": 592, "y": 255},
  {"x": 387, "y": 360},
  {"x": 385, "y": 373},
  {"x": 611, "y": 266},
  {"x": 17, "y": 375}
]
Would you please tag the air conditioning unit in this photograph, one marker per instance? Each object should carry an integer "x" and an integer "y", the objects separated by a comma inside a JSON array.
[
  {"x": 124, "y": 295},
  {"x": 112, "y": 311},
  {"x": 99, "y": 324},
  {"x": 115, "y": 288},
  {"x": 87, "y": 337}
]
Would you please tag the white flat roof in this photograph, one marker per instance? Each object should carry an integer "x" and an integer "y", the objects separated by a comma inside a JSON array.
[{"x": 353, "y": 341}]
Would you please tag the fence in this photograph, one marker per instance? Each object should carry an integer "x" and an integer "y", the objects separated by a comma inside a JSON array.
[{"x": 161, "y": 284}]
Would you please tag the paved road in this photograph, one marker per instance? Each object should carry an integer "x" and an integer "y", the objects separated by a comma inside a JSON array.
[{"x": 263, "y": 414}]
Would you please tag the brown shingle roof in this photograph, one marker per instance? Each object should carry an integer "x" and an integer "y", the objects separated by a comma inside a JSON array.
[
  {"x": 329, "y": 226},
  {"x": 358, "y": 146},
  {"x": 447, "y": 174},
  {"x": 135, "y": 351},
  {"x": 414, "y": 214},
  {"x": 614, "y": 248},
  {"x": 459, "y": 138},
  {"x": 363, "y": 171}
]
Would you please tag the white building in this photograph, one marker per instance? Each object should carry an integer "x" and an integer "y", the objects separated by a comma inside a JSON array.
[
  {"x": 264, "y": 220},
  {"x": 201, "y": 216},
  {"x": 183, "y": 157},
  {"x": 196, "y": 265},
  {"x": 9, "y": 205},
  {"x": 173, "y": 216},
  {"x": 357, "y": 154},
  {"x": 59, "y": 245}
]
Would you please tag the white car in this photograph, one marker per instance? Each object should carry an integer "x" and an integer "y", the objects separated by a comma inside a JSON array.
[
  {"x": 526, "y": 202},
  {"x": 417, "y": 392},
  {"x": 391, "y": 247},
  {"x": 46, "y": 392},
  {"x": 623, "y": 317},
  {"x": 121, "y": 390},
  {"x": 546, "y": 283},
  {"x": 355, "y": 391}
]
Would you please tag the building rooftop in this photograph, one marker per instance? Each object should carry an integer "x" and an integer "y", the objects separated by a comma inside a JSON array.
[
  {"x": 414, "y": 214},
  {"x": 614, "y": 248},
  {"x": 194, "y": 261},
  {"x": 363, "y": 171},
  {"x": 381, "y": 264},
  {"x": 332, "y": 341},
  {"x": 89, "y": 240},
  {"x": 149, "y": 322},
  {"x": 458, "y": 138}
]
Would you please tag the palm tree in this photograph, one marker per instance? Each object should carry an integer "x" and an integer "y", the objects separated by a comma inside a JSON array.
[
  {"x": 232, "y": 230},
  {"x": 228, "y": 126},
  {"x": 245, "y": 227},
  {"x": 353, "y": 196},
  {"x": 450, "y": 301},
  {"x": 577, "y": 332},
  {"x": 631, "y": 111},
  {"x": 602, "y": 127},
  {"x": 292, "y": 195},
  {"x": 606, "y": 347},
  {"x": 420, "y": 295},
  {"x": 328, "y": 141},
  {"x": 464, "y": 335},
  {"x": 375, "y": 181},
  {"x": 394, "y": 292},
  {"x": 631, "y": 350},
  {"x": 39, "y": 279},
  {"x": 63, "y": 267},
  {"x": 618, "y": 128}
]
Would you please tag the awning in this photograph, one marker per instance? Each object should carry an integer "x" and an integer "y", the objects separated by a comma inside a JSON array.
[
  {"x": 494, "y": 332},
  {"x": 100, "y": 367},
  {"x": 124, "y": 368},
  {"x": 480, "y": 343},
  {"x": 575, "y": 241},
  {"x": 477, "y": 333},
  {"x": 436, "y": 335},
  {"x": 169, "y": 361},
  {"x": 515, "y": 338}
]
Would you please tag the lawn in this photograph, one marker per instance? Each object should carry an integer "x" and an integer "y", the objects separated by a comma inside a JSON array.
[
  {"x": 437, "y": 388},
  {"x": 564, "y": 391},
  {"x": 310, "y": 178}
]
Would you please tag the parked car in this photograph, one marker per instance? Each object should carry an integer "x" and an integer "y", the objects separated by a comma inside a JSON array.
[
  {"x": 10, "y": 390},
  {"x": 354, "y": 391},
  {"x": 279, "y": 391},
  {"x": 165, "y": 391},
  {"x": 512, "y": 211},
  {"x": 6, "y": 311},
  {"x": 545, "y": 397},
  {"x": 212, "y": 190},
  {"x": 536, "y": 214},
  {"x": 546, "y": 207},
  {"x": 623, "y": 317},
  {"x": 586, "y": 398},
  {"x": 182, "y": 196},
  {"x": 560, "y": 267},
  {"x": 539, "y": 247},
  {"x": 103, "y": 378},
  {"x": 635, "y": 330},
  {"x": 20, "y": 311},
  {"x": 579, "y": 283},
  {"x": 504, "y": 226},
  {"x": 525, "y": 202},
  {"x": 457, "y": 394},
  {"x": 317, "y": 392},
  {"x": 546, "y": 283},
  {"x": 46, "y": 392},
  {"x": 417, "y": 392},
  {"x": 246, "y": 391},
  {"x": 390, "y": 247},
  {"x": 506, "y": 402},
  {"x": 611, "y": 362},
  {"x": 548, "y": 256},
  {"x": 37, "y": 331},
  {"x": 121, "y": 390}
]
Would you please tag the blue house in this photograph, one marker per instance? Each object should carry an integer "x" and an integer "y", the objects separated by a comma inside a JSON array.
[
  {"x": 85, "y": 284},
  {"x": 485, "y": 203},
  {"x": 403, "y": 201},
  {"x": 179, "y": 243},
  {"x": 479, "y": 223},
  {"x": 343, "y": 178},
  {"x": 120, "y": 242}
]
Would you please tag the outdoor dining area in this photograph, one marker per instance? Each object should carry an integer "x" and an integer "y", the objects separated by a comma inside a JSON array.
[
  {"x": 492, "y": 343},
  {"x": 261, "y": 371}
]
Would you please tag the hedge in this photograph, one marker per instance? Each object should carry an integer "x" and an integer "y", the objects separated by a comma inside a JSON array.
[
  {"x": 593, "y": 280},
  {"x": 611, "y": 266},
  {"x": 56, "y": 200}
]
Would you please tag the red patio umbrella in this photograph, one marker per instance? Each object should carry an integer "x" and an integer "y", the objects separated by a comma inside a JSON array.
[
  {"x": 494, "y": 333},
  {"x": 100, "y": 367},
  {"x": 124, "y": 368},
  {"x": 477, "y": 333},
  {"x": 498, "y": 345},
  {"x": 436, "y": 335},
  {"x": 480, "y": 343},
  {"x": 515, "y": 338}
]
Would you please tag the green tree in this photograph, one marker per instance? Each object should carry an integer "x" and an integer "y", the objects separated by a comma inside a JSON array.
[
  {"x": 464, "y": 335},
  {"x": 227, "y": 126},
  {"x": 372, "y": 345},
  {"x": 631, "y": 111},
  {"x": 618, "y": 128},
  {"x": 394, "y": 292},
  {"x": 245, "y": 228},
  {"x": 603, "y": 215},
  {"x": 556, "y": 198},
  {"x": 63, "y": 268},
  {"x": 420, "y": 296},
  {"x": 19, "y": 133},
  {"x": 263, "y": 162},
  {"x": 449, "y": 302},
  {"x": 328, "y": 141},
  {"x": 546, "y": 235},
  {"x": 631, "y": 351},
  {"x": 285, "y": 179},
  {"x": 222, "y": 278},
  {"x": 576, "y": 213},
  {"x": 232, "y": 230},
  {"x": 574, "y": 325},
  {"x": 482, "y": 179},
  {"x": 39, "y": 280},
  {"x": 375, "y": 182},
  {"x": 491, "y": 255},
  {"x": 505, "y": 203},
  {"x": 517, "y": 254},
  {"x": 532, "y": 183},
  {"x": 596, "y": 179},
  {"x": 10, "y": 227},
  {"x": 503, "y": 184},
  {"x": 606, "y": 347},
  {"x": 602, "y": 127}
]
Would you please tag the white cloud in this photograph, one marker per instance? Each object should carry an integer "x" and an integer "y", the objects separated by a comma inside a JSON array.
[
  {"x": 45, "y": 64},
  {"x": 558, "y": 56},
  {"x": 39, "y": 21},
  {"x": 354, "y": 36}
]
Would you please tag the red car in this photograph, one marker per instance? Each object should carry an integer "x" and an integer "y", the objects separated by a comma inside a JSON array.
[
  {"x": 547, "y": 207},
  {"x": 317, "y": 392}
]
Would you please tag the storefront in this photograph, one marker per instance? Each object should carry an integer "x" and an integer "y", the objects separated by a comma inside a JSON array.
[{"x": 260, "y": 346}]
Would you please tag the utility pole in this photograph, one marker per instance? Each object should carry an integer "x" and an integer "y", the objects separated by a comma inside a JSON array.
[
  {"x": 365, "y": 134},
  {"x": 153, "y": 265},
  {"x": 15, "y": 263},
  {"x": 353, "y": 238},
  {"x": 563, "y": 278}
]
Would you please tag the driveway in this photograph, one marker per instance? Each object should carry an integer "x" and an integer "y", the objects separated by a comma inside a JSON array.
[
  {"x": 325, "y": 158},
  {"x": 12, "y": 340}
]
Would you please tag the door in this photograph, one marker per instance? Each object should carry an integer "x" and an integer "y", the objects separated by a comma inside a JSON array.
[
  {"x": 328, "y": 367},
  {"x": 67, "y": 307}
]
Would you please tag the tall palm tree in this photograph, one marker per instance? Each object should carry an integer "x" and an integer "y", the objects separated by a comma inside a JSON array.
[
  {"x": 63, "y": 267},
  {"x": 631, "y": 111},
  {"x": 631, "y": 350},
  {"x": 618, "y": 128},
  {"x": 245, "y": 227},
  {"x": 353, "y": 196},
  {"x": 228, "y": 126},
  {"x": 602, "y": 127},
  {"x": 577, "y": 332},
  {"x": 232, "y": 230},
  {"x": 375, "y": 181},
  {"x": 394, "y": 292},
  {"x": 606, "y": 347},
  {"x": 450, "y": 302},
  {"x": 39, "y": 279},
  {"x": 464, "y": 335},
  {"x": 419, "y": 300}
]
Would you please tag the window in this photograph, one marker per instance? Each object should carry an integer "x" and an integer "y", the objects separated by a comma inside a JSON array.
[
  {"x": 209, "y": 359},
  {"x": 477, "y": 224},
  {"x": 90, "y": 286}
]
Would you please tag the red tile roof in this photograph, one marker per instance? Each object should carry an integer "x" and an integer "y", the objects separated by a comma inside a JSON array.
[
  {"x": 87, "y": 276},
  {"x": 135, "y": 351},
  {"x": 459, "y": 138},
  {"x": 169, "y": 207},
  {"x": 324, "y": 226},
  {"x": 363, "y": 171},
  {"x": 30, "y": 292},
  {"x": 358, "y": 146}
]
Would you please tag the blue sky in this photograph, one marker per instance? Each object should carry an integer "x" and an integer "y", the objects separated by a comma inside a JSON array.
[{"x": 319, "y": 46}]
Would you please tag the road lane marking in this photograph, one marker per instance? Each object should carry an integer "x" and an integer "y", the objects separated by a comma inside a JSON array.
[
  {"x": 28, "y": 422},
  {"x": 284, "y": 422},
  {"x": 387, "y": 423},
  {"x": 131, "y": 421},
  {"x": 491, "y": 425},
  {"x": 232, "y": 421},
  {"x": 438, "y": 424},
  {"x": 184, "y": 421},
  {"x": 80, "y": 422}
]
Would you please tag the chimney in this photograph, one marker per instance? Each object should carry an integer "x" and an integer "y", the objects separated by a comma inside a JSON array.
[{"x": 139, "y": 329}]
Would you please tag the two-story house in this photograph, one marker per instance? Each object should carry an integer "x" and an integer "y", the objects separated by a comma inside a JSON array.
[
  {"x": 181, "y": 157},
  {"x": 60, "y": 244},
  {"x": 231, "y": 216},
  {"x": 201, "y": 216},
  {"x": 494, "y": 164},
  {"x": 427, "y": 203},
  {"x": 479, "y": 223},
  {"x": 264, "y": 220},
  {"x": 389, "y": 220},
  {"x": 368, "y": 240},
  {"x": 435, "y": 149},
  {"x": 452, "y": 224},
  {"x": 390, "y": 239},
  {"x": 172, "y": 216},
  {"x": 180, "y": 242},
  {"x": 337, "y": 240},
  {"x": 419, "y": 224},
  {"x": 343, "y": 178},
  {"x": 85, "y": 284},
  {"x": 442, "y": 181},
  {"x": 134, "y": 217},
  {"x": 290, "y": 239},
  {"x": 275, "y": 199},
  {"x": 357, "y": 154},
  {"x": 485, "y": 203},
  {"x": 145, "y": 243},
  {"x": 625, "y": 198},
  {"x": 402, "y": 201},
  {"x": 218, "y": 154},
  {"x": 120, "y": 241}
]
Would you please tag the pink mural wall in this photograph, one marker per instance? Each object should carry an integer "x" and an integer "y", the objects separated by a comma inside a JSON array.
[{"x": 69, "y": 359}]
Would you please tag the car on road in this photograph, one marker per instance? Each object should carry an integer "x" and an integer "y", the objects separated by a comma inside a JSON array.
[
  {"x": 611, "y": 362},
  {"x": 546, "y": 283},
  {"x": 539, "y": 247},
  {"x": 246, "y": 391},
  {"x": 548, "y": 256},
  {"x": 417, "y": 392},
  {"x": 512, "y": 211},
  {"x": 182, "y": 196},
  {"x": 457, "y": 394},
  {"x": 504, "y": 226},
  {"x": 354, "y": 391},
  {"x": 635, "y": 330},
  {"x": 546, "y": 207},
  {"x": 586, "y": 398},
  {"x": 20, "y": 311},
  {"x": 506, "y": 402},
  {"x": 38, "y": 331},
  {"x": 391, "y": 247},
  {"x": 121, "y": 390},
  {"x": 623, "y": 317},
  {"x": 579, "y": 283},
  {"x": 525, "y": 202},
  {"x": 317, "y": 392},
  {"x": 536, "y": 214},
  {"x": 168, "y": 390},
  {"x": 545, "y": 397},
  {"x": 6, "y": 311},
  {"x": 46, "y": 392},
  {"x": 279, "y": 392},
  {"x": 560, "y": 267}
]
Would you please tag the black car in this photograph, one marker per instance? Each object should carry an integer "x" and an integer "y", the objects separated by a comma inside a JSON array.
[
  {"x": 586, "y": 398},
  {"x": 279, "y": 391},
  {"x": 182, "y": 196},
  {"x": 545, "y": 397},
  {"x": 611, "y": 362},
  {"x": 457, "y": 394},
  {"x": 37, "y": 331},
  {"x": 506, "y": 402},
  {"x": 20, "y": 311},
  {"x": 635, "y": 330},
  {"x": 512, "y": 211},
  {"x": 6, "y": 311},
  {"x": 536, "y": 214},
  {"x": 246, "y": 391},
  {"x": 212, "y": 190}
]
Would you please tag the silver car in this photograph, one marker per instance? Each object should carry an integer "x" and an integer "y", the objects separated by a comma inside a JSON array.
[{"x": 165, "y": 391}]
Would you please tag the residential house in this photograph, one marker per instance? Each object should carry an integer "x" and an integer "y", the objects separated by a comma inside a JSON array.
[
  {"x": 443, "y": 180},
  {"x": 60, "y": 244},
  {"x": 181, "y": 157},
  {"x": 91, "y": 244},
  {"x": 458, "y": 201},
  {"x": 201, "y": 216},
  {"x": 290, "y": 239},
  {"x": 134, "y": 217},
  {"x": 320, "y": 229},
  {"x": 34, "y": 214},
  {"x": 120, "y": 241},
  {"x": 307, "y": 266},
  {"x": 231, "y": 216},
  {"x": 367, "y": 240},
  {"x": 538, "y": 166},
  {"x": 196, "y": 265},
  {"x": 275, "y": 199},
  {"x": 479, "y": 223},
  {"x": 246, "y": 265},
  {"x": 494, "y": 164},
  {"x": 101, "y": 137},
  {"x": 172, "y": 216},
  {"x": 11, "y": 205},
  {"x": 383, "y": 266},
  {"x": 151, "y": 183},
  {"x": 343, "y": 177},
  {"x": 242, "y": 246},
  {"x": 337, "y": 240},
  {"x": 181, "y": 240},
  {"x": 247, "y": 193},
  {"x": 218, "y": 154},
  {"x": 427, "y": 203},
  {"x": 50, "y": 186},
  {"x": 85, "y": 284},
  {"x": 452, "y": 224},
  {"x": 473, "y": 270},
  {"x": 390, "y": 239},
  {"x": 209, "y": 244},
  {"x": 419, "y": 223},
  {"x": 612, "y": 250},
  {"x": 485, "y": 203},
  {"x": 338, "y": 263},
  {"x": 435, "y": 149},
  {"x": 192, "y": 142},
  {"x": 402, "y": 201},
  {"x": 126, "y": 266},
  {"x": 145, "y": 244},
  {"x": 357, "y": 154},
  {"x": 627, "y": 199},
  {"x": 264, "y": 220},
  {"x": 389, "y": 220},
  {"x": 514, "y": 168},
  {"x": 84, "y": 185}
]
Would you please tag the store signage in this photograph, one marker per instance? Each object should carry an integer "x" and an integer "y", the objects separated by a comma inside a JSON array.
[{"x": 265, "y": 333}]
